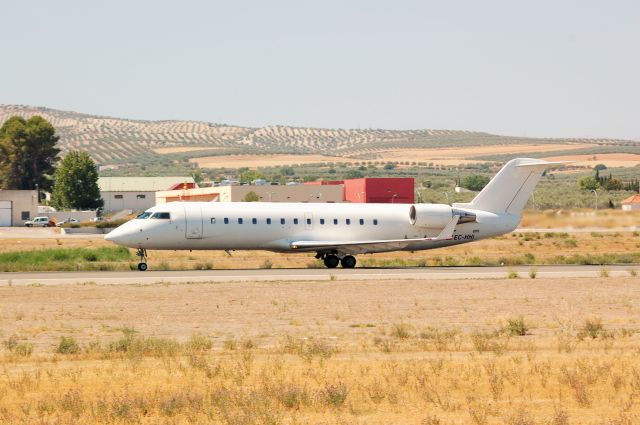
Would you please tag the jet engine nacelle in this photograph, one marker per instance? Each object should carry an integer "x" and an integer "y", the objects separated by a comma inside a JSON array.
[{"x": 437, "y": 216}]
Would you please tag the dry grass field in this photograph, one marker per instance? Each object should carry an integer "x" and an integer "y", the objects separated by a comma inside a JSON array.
[
  {"x": 512, "y": 351},
  {"x": 441, "y": 156},
  {"x": 608, "y": 159}
]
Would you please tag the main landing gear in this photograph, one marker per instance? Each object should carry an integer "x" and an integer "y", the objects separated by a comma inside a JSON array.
[
  {"x": 331, "y": 261},
  {"x": 142, "y": 253}
]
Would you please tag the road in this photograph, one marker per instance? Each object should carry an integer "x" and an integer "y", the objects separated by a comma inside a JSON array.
[{"x": 253, "y": 275}]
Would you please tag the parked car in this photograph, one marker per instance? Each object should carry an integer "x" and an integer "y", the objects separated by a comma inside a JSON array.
[
  {"x": 39, "y": 222},
  {"x": 97, "y": 219},
  {"x": 67, "y": 221}
]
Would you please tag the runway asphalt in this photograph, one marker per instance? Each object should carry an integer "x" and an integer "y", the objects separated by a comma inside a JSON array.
[{"x": 262, "y": 275}]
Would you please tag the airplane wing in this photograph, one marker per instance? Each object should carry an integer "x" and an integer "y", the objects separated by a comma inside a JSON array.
[{"x": 363, "y": 247}]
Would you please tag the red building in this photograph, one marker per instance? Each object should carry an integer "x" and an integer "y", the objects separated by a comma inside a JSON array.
[
  {"x": 379, "y": 190},
  {"x": 376, "y": 190}
]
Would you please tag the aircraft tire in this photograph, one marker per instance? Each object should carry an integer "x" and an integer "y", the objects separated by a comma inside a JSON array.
[
  {"x": 331, "y": 261},
  {"x": 142, "y": 267},
  {"x": 348, "y": 262}
]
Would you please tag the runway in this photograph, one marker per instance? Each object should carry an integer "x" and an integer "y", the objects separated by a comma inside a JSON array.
[{"x": 257, "y": 275}]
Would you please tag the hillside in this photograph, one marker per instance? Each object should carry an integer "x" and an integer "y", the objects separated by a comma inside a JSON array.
[{"x": 116, "y": 141}]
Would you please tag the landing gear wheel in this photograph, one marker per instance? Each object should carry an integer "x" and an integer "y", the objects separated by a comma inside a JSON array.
[
  {"x": 348, "y": 262},
  {"x": 142, "y": 253},
  {"x": 331, "y": 261}
]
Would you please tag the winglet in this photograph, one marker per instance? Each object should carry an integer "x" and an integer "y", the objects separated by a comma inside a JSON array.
[{"x": 447, "y": 232}]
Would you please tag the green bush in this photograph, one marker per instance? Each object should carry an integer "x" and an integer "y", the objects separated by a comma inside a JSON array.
[{"x": 67, "y": 345}]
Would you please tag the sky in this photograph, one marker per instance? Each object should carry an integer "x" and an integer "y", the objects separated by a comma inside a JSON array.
[{"x": 521, "y": 68}]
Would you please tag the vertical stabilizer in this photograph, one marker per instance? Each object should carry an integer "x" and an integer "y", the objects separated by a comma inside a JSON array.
[{"x": 509, "y": 190}]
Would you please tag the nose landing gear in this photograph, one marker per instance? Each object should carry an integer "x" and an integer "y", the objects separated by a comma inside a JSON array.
[{"x": 142, "y": 253}]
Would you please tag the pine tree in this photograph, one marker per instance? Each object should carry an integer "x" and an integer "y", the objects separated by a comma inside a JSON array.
[
  {"x": 28, "y": 153},
  {"x": 76, "y": 183}
]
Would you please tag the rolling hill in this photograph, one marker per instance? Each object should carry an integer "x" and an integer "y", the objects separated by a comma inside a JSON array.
[{"x": 115, "y": 141}]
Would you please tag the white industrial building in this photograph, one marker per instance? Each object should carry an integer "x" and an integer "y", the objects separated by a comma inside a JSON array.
[
  {"x": 136, "y": 193},
  {"x": 17, "y": 206},
  {"x": 265, "y": 193}
]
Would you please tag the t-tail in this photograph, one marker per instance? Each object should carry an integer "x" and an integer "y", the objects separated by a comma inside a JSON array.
[{"x": 509, "y": 190}]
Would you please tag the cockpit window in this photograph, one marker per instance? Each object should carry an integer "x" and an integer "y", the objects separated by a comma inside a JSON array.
[
  {"x": 144, "y": 215},
  {"x": 161, "y": 215}
]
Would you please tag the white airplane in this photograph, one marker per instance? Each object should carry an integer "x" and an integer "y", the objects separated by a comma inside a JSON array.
[{"x": 335, "y": 232}]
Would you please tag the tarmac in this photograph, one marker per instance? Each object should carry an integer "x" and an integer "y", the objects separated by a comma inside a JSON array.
[{"x": 261, "y": 275}]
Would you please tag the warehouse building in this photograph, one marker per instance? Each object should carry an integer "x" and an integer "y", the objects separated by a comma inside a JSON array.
[
  {"x": 264, "y": 193},
  {"x": 17, "y": 206},
  {"x": 137, "y": 193}
]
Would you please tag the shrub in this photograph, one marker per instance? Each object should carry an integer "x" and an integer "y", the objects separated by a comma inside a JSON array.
[
  {"x": 199, "y": 342},
  {"x": 592, "y": 328},
  {"x": 401, "y": 330},
  {"x": 533, "y": 272},
  {"x": 336, "y": 395},
  {"x": 266, "y": 264},
  {"x": 67, "y": 345},
  {"x": 517, "y": 327}
]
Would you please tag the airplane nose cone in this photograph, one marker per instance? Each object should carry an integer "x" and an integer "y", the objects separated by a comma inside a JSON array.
[{"x": 117, "y": 236}]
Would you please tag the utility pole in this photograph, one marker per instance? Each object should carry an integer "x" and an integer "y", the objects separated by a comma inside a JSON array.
[{"x": 596, "y": 193}]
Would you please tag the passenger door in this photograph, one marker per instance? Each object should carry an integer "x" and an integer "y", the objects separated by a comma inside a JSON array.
[{"x": 193, "y": 219}]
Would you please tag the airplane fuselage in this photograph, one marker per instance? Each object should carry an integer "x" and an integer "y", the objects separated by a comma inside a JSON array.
[{"x": 275, "y": 226}]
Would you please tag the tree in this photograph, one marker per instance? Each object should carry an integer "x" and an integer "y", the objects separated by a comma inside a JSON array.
[
  {"x": 251, "y": 197},
  {"x": 475, "y": 182},
  {"x": 76, "y": 183},
  {"x": 588, "y": 183},
  {"x": 248, "y": 176},
  {"x": 28, "y": 153}
]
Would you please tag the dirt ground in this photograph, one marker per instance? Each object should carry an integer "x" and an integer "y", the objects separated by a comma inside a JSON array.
[{"x": 343, "y": 311}]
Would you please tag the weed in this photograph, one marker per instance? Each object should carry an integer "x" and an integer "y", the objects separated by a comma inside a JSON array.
[
  {"x": 592, "y": 328},
  {"x": 517, "y": 327},
  {"x": 266, "y": 264},
  {"x": 336, "y": 395},
  {"x": 199, "y": 343},
  {"x": 67, "y": 345},
  {"x": 604, "y": 272},
  {"x": 512, "y": 274},
  {"x": 230, "y": 343},
  {"x": 533, "y": 272},
  {"x": 401, "y": 331}
]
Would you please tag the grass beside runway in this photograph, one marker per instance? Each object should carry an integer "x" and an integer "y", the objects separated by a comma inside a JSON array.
[{"x": 66, "y": 259}]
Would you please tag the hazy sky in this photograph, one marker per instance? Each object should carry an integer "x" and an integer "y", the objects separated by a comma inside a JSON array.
[{"x": 537, "y": 68}]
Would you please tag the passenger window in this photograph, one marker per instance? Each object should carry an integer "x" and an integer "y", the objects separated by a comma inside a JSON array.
[
  {"x": 309, "y": 221},
  {"x": 226, "y": 220},
  {"x": 282, "y": 221},
  {"x": 239, "y": 221},
  {"x": 295, "y": 221},
  {"x": 375, "y": 221},
  {"x": 348, "y": 221},
  {"x": 161, "y": 215},
  {"x": 335, "y": 221},
  {"x": 322, "y": 221},
  {"x": 213, "y": 220},
  {"x": 254, "y": 220},
  {"x": 362, "y": 222},
  {"x": 268, "y": 221}
]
